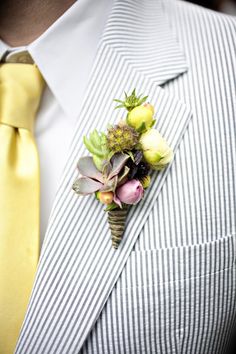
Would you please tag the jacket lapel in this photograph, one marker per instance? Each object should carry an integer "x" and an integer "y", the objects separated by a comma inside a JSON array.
[{"x": 78, "y": 267}]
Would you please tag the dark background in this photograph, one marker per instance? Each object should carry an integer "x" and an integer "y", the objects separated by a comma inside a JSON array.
[{"x": 226, "y": 6}]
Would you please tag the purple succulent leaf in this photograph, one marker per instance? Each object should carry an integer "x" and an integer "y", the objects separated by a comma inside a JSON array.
[
  {"x": 117, "y": 201},
  {"x": 87, "y": 168},
  {"x": 123, "y": 177},
  {"x": 138, "y": 155},
  {"x": 107, "y": 167},
  {"x": 118, "y": 161},
  {"x": 85, "y": 185},
  {"x": 110, "y": 185}
]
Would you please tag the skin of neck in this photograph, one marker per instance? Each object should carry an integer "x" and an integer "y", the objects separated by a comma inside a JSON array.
[{"x": 23, "y": 21}]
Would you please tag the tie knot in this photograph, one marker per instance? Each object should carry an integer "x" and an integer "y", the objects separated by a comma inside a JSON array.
[{"x": 21, "y": 87}]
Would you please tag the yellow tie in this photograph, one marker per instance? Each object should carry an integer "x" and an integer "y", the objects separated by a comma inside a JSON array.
[{"x": 21, "y": 86}]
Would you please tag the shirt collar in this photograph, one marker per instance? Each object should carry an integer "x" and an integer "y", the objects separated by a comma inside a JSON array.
[
  {"x": 64, "y": 53},
  {"x": 3, "y": 49}
]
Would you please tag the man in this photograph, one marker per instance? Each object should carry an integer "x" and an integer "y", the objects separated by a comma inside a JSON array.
[{"x": 170, "y": 287}]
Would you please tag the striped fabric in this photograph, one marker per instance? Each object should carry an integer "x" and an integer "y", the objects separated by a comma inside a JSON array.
[{"x": 170, "y": 287}]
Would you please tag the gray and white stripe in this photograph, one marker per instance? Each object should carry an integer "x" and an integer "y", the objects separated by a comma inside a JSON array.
[{"x": 170, "y": 288}]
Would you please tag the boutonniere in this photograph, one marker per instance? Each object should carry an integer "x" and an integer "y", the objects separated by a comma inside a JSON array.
[{"x": 119, "y": 169}]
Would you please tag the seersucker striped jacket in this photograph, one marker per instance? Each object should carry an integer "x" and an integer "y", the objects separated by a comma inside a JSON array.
[{"x": 171, "y": 286}]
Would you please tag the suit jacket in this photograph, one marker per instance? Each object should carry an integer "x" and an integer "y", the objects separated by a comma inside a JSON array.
[{"x": 170, "y": 287}]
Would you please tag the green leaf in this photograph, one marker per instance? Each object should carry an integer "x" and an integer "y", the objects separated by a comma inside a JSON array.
[
  {"x": 116, "y": 100},
  {"x": 98, "y": 162},
  {"x": 103, "y": 135},
  {"x": 131, "y": 155},
  {"x": 109, "y": 156},
  {"x": 142, "y": 128},
  {"x": 143, "y": 100},
  {"x": 95, "y": 139},
  {"x": 87, "y": 144},
  {"x": 120, "y": 106},
  {"x": 91, "y": 148},
  {"x": 131, "y": 101},
  {"x": 104, "y": 148},
  {"x": 153, "y": 122},
  {"x": 111, "y": 206}
]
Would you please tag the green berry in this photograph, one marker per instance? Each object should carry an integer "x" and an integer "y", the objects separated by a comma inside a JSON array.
[{"x": 140, "y": 116}]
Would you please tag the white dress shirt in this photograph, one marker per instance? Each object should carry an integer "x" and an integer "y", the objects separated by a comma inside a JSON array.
[{"x": 64, "y": 54}]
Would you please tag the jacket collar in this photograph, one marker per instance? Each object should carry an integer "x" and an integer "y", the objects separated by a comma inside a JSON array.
[
  {"x": 78, "y": 267},
  {"x": 141, "y": 34}
]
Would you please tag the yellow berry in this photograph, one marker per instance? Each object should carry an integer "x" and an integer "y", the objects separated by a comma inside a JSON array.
[
  {"x": 140, "y": 115},
  {"x": 105, "y": 197},
  {"x": 150, "y": 106}
]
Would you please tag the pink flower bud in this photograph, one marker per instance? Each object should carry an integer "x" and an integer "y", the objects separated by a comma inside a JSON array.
[{"x": 130, "y": 192}]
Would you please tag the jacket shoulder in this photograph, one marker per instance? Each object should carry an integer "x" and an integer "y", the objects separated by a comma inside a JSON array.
[
  {"x": 203, "y": 33},
  {"x": 199, "y": 19}
]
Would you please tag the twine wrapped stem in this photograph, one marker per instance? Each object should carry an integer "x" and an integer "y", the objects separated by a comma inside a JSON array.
[{"x": 116, "y": 220}]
